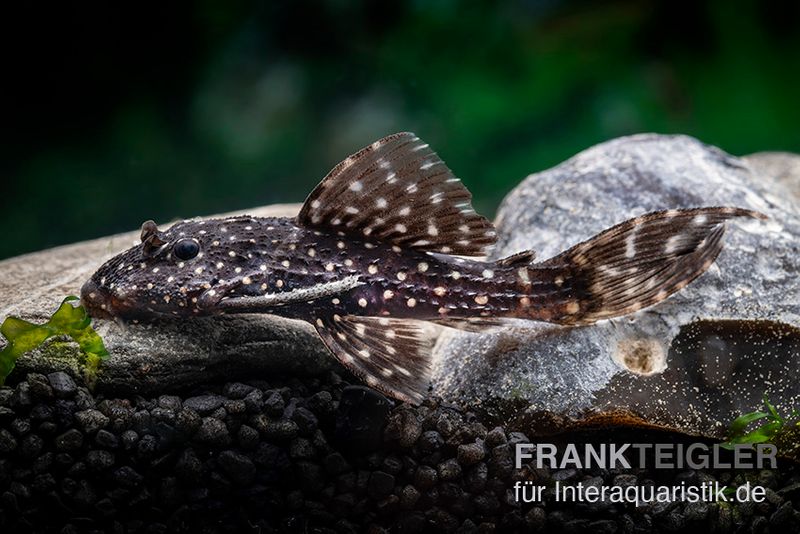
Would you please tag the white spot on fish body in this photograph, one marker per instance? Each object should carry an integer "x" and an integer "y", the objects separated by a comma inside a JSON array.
[
  {"x": 356, "y": 186},
  {"x": 481, "y": 299},
  {"x": 411, "y": 302},
  {"x": 488, "y": 273},
  {"x": 439, "y": 291},
  {"x": 381, "y": 203},
  {"x": 372, "y": 269},
  {"x": 388, "y": 294},
  {"x": 422, "y": 267},
  {"x": 401, "y": 275},
  {"x": 404, "y": 211}
]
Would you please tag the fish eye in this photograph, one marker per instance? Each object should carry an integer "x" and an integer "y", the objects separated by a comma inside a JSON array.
[{"x": 186, "y": 249}]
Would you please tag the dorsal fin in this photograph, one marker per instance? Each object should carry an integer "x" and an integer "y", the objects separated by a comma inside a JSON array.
[{"x": 397, "y": 190}]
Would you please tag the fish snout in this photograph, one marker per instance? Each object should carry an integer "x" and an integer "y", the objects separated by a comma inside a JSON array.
[{"x": 95, "y": 300}]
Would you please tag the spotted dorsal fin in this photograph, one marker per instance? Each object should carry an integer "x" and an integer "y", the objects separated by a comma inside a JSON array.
[{"x": 398, "y": 191}]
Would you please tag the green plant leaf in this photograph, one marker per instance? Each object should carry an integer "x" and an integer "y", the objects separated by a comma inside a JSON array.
[
  {"x": 739, "y": 424},
  {"x": 772, "y": 409},
  {"x": 68, "y": 320}
]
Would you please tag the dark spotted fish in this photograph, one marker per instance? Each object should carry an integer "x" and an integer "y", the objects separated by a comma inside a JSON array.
[{"x": 378, "y": 250}]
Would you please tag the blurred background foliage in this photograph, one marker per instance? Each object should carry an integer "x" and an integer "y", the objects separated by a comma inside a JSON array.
[{"x": 118, "y": 114}]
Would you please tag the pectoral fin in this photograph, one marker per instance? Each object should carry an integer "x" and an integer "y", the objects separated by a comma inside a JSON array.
[{"x": 390, "y": 355}]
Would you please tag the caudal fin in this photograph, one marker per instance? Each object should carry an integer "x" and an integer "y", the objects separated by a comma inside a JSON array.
[{"x": 641, "y": 262}]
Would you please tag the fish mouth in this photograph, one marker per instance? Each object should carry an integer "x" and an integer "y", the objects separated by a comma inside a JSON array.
[
  {"x": 97, "y": 302},
  {"x": 210, "y": 298}
]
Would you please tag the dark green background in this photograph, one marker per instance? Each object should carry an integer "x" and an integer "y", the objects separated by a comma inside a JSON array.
[{"x": 116, "y": 115}]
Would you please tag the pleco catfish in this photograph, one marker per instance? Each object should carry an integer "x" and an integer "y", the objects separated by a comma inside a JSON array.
[{"x": 375, "y": 251}]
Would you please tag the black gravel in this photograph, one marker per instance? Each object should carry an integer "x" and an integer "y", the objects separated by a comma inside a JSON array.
[{"x": 319, "y": 455}]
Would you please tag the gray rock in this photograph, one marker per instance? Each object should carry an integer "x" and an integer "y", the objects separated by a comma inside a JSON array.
[
  {"x": 625, "y": 369},
  {"x": 214, "y": 432},
  {"x": 91, "y": 420},
  {"x": 63, "y": 385},
  {"x": 782, "y": 168},
  {"x": 151, "y": 358},
  {"x": 204, "y": 404},
  {"x": 237, "y": 466}
]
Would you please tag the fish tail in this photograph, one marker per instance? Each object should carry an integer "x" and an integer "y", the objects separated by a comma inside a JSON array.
[{"x": 637, "y": 263}]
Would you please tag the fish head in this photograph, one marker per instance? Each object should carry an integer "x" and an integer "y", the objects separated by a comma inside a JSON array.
[{"x": 182, "y": 271}]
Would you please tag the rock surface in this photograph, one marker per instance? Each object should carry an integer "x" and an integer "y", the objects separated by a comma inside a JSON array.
[
  {"x": 625, "y": 368},
  {"x": 153, "y": 358}
]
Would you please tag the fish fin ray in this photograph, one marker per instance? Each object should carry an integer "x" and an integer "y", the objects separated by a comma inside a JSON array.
[
  {"x": 398, "y": 191},
  {"x": 477, "y": 324},
  {"x": 640, "y": 262},
  {"x": 526, "y": 257},
  {"x": 391, "y": 355}
]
